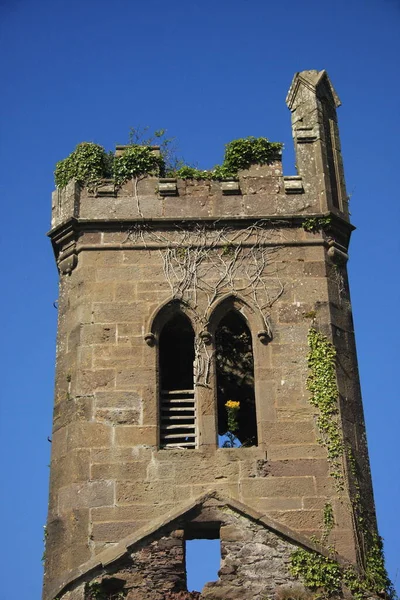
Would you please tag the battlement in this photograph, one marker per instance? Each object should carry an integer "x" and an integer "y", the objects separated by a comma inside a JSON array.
[{"x": 259, "y": 191}]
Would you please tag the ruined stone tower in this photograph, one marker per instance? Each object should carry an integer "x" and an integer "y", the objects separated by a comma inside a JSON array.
[{"x": 176, "y": 296}]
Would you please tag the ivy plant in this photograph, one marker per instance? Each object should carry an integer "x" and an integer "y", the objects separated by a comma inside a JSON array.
[
  {"x": 318, "y": 572},
  {"x": 244, "y": 152},
  {"x": 314, "y": 224},
  {"x": 325, "y": 576},
  {"x": 89, "y": 162},
  {"x": 322, "y": 385},
  {"x": 186, "y": 172},
  {"x": 239, "y": 154},
  {"x": 315, "y": 570},
  {"x": 137, "y": 161}
]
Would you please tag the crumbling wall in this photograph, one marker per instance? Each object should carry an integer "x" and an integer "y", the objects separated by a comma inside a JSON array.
[{"x": 254, "y": 561}]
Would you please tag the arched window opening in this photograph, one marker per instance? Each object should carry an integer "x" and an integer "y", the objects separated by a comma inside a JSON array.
[
  {"x": 177, "y": 406},
  {"x": 237, "y": 423}
]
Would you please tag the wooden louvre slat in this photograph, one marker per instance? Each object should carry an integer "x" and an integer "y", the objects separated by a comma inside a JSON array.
[
  {"x": 178, "y": 430},
  {"x": 178, "y": 418},
  {"x": 172, "y": 393}
]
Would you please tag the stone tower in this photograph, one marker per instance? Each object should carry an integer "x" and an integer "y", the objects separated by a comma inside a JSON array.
[{"x": 176, "y": 296}]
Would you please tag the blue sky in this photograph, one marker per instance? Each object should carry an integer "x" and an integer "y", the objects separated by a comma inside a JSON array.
[{"x": 209, "y": 72}]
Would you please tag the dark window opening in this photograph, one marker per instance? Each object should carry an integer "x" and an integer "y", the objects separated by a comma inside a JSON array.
[
  {"x": 237, "y": 423},
  {"x": 202, "y": 556},
  {"x": 177, "y": 354},
  {"x": 177, "y": 405}
]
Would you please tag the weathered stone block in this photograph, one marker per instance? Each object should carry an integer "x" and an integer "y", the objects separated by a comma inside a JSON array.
[
  {"x": 125, "y": 291},
  {"x": 91, "y": 380},
  {"x": 292, "y": 451},
  {"x": 132, "y": 471},
  {"x": 128, "y": 379},
  {"x": 88, "y": 435},
  {"x": 290, "y": 433},
  {"x": 299, "y": 467},
  {"x": 113, "y": 532},
  {"x": 135, "y": 436},
  {"x": 86, "y": 495},
  {"x": 299, "y": 519},
  {"x": 315, "y": 269},
  {"x": 116, "y": 312},
  {"x": 139, "y": 493},
  {"x": 98, "y": 334},
  {"x": 110, "y": 357},
  {"x": 278, "y": 486},
  {"x": 123, "y": 400},
  {"x": 117, "y": 416}
]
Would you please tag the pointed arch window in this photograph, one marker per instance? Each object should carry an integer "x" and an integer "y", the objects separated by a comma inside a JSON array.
[
  {"x": 177, "y": 402},
  {"x": 235, "y": 381}
]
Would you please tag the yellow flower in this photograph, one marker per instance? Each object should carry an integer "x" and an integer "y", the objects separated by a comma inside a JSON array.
[{"x": 232, "y": 404}]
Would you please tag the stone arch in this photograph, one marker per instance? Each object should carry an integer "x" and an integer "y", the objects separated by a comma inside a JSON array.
[
  {"x": 164, "y": 313},
  {"x": 251, "y": 315},
  {"x": 231, "y": 325},
  {"x": 171, "y": 330}
]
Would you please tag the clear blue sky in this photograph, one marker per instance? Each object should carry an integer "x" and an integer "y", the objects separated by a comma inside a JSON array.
[{"x": 209, "y": 72}]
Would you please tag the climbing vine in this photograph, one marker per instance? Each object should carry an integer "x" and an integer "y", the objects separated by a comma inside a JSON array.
[
  {"x": 325, "y": 576},
  {"x": 213, "y": 262},
  {"x": 328, "y": 522},
  {"x": 322, "y": 386},
  {"x": 320, "y": 573},
  {"x": 375, "y": 575}
]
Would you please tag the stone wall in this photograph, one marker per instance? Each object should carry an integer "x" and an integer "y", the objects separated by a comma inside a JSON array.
[
  {"x": 255, "y": 561},
  {"x": 108, "y": 476}
]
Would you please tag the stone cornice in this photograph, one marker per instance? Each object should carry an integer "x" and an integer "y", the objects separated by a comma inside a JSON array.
[
  {"x": 74, "y": 226},
  {"x": 66, "y": 248}
]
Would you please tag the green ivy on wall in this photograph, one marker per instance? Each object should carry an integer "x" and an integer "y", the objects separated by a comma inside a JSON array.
[
  {"x": 320, "y": 573},
  {"x": 324, "y": 575},
  {"x": 244, "y": 152},
  {"x": 137, "y": 161},
  {"x": 239, "y": 154},
  {"x": 89, "y": 162},
  {"x": 321, "y": 383}
]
